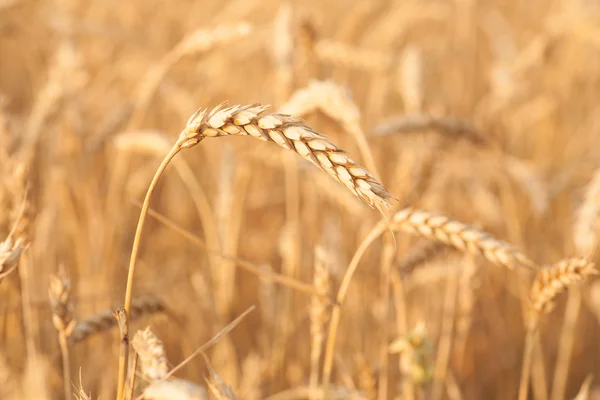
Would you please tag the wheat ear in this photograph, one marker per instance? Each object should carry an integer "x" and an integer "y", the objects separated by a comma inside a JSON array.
[
  {"x": 152, "y": 354},
  {"x": 461, "y": 236},
  {"x": 105, "y": 320},
  {"x": 554, "y": 280},
  {"x": 290, "y": 133}
]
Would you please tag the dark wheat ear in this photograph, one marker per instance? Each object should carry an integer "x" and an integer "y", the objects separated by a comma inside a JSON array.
[{"x": 290, "y": 133}]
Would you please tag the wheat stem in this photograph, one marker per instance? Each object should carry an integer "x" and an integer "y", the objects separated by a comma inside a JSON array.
[
  {"x": 526, "y": 368},
  {"x": 134, "y": 253}
]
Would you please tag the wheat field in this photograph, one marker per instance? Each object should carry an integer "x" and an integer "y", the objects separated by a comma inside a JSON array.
[{"x": 422, "y": 225}]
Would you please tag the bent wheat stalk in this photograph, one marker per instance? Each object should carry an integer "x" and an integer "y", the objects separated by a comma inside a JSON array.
[{"x": 286, "y": 131}]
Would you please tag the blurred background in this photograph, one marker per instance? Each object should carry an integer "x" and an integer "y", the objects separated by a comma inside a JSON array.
[{"x": 486, "y": 111}]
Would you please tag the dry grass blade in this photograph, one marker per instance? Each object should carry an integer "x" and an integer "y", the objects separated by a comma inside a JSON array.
[
  {"x": 552, "y": 281},
  {"x": 587, "y": 222},
  {"x": 289, "y": 133},
  {"x": 461, "y": 236},
  {"x": 152, "y": 355},
  {"x": 105, "y": 320}
]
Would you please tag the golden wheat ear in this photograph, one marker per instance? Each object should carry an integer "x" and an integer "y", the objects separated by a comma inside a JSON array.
[{"x": 290, "y": 133}]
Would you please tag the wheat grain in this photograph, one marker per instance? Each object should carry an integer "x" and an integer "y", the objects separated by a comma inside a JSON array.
[
  {"x": 289, "y": 133},
  {"x": 461, "y": 236},
  {"x": 553, "y": 280}
]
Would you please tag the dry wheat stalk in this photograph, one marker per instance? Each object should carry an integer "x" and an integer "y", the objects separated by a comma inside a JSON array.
[
  {"x": 409, "y": 79},
  {"x": 152, "y": 355},
  {"x": 61, "y": 304},
  {"x": 283, "y": 50},
  {"x": 553, "y": 280},
  {"x": 174, "y": 389},
  {"x": 290, "y": 133},
  {"x": 318, "y": 314},
  {"x": 461, "y": 236},
  {"x": 104, "y": 321},
  {"x": 349, "y": 56},
  {"x": 587, "y": 222},
  {"x": 252, "y": 376}
]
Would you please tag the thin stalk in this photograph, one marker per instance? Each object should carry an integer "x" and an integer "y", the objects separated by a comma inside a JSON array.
[
  {"x": 341, "y": 295},
  {"x": 445, "y": 342},
  {"x": 134, "y": 253},
  {"x": 526, "y": 369},
  {"x": 565, "y": 348},
  {"x": 133, "y": 376},
  {"x": 121, "y": 317},
  {"x": 66, "y": 364},
  {"x": 388, "y": 253}
]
